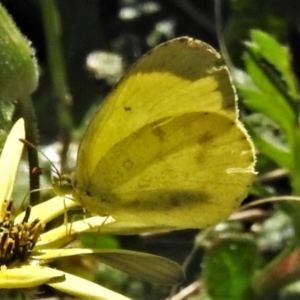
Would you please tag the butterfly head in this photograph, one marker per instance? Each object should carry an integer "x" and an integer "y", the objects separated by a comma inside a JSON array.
[{"x": 62, "y": 185}]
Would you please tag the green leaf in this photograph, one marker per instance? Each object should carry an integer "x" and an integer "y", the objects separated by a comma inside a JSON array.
[
  {"x": 281, "y": 157},
  {"x": 278, "y": 56},
  {"x": 267, "y": 98},
  {"x": 85, "y": 289},
  {"x": 228, "y": 269},
  {"x": 273, "y": 93}
]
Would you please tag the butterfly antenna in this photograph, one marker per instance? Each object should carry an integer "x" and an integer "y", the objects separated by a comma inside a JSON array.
[{"x": 53, "y": 167}]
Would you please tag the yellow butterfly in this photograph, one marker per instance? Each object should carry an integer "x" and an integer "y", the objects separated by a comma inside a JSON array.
[{"x": 166, "y": 148}]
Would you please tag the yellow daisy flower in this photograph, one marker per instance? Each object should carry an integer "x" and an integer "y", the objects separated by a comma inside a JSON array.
[{"x": 26, "y": 249}]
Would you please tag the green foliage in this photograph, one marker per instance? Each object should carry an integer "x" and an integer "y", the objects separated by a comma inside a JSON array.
[
  {"x": 268, "y": 15},
  {"x": 274, "y": 95},
  {"x": 228, "y": 269},
  {"x": 273, "y": 98},
  {"x": 18, "y": 67},
  {"x": 18, "y": 80}
]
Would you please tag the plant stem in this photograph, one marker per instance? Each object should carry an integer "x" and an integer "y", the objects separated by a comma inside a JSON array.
[{"x": 52, "y": 28}]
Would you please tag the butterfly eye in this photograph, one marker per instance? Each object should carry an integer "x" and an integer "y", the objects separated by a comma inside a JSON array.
[{"x": 62, "y": 185}]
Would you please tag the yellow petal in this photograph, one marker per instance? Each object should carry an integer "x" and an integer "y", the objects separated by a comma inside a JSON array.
[
  {"x": 48, "y": 210},
  {"x": 28, "y": 276},
  {"x": 10, "y": 158},
  {"x": 61, "y": 235},
  {"x": 85, "y": 289}
]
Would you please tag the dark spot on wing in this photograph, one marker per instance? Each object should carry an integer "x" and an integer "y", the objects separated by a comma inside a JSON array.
[
  {"x": 174, "y": 201},
  {"x": 204, "y": 138},
  {"x": 127, "y": 164},
  {"x": 127, "y": 108},
  {"x": 159, "y": 132}
]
